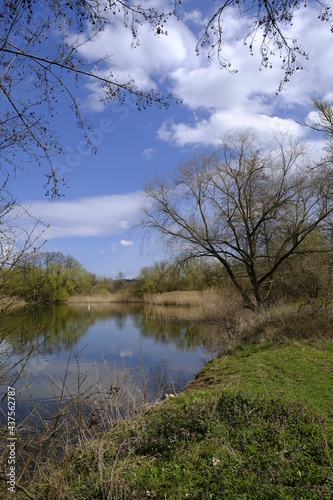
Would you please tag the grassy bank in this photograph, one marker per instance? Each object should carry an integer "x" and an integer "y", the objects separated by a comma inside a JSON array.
[{"x": 256, "y": 423}]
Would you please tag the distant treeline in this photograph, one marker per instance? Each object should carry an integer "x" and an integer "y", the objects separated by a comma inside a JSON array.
[
  {"x": 53, "y": 277},
  {"x": 45, "y": 277}
]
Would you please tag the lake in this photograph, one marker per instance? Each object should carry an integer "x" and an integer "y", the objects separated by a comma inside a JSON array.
[{"x": 52, "y": 354}]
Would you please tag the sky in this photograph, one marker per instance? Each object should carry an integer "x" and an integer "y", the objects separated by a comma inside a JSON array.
[{"x": 96, "y": 219}]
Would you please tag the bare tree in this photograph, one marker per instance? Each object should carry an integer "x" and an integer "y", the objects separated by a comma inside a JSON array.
[
  {"x": 40, "y": 64},
  {"x": 247, "y": 207},
  {"x": 41, "y": 61},
  {"x": 270, "y": 21},
  {"x": 323, "y": 122}
]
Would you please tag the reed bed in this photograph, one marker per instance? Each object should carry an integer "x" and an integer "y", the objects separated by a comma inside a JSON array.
[
  {"x": 218, "y": 305},
  {"x": 8, "y": 304},
  {"x": 177, "y": 298},
  {"x": 126, "y": 298}
]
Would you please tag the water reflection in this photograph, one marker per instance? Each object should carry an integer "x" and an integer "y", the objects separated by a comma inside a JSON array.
[
  {"x": 54, "y": 328},
  {"x": 45, "y": 349}
]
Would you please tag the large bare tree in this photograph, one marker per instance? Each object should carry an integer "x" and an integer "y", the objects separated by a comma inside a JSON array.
[{"x": 248, "y": 207}]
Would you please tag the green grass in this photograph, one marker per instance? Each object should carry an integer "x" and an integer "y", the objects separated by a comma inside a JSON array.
[
  {"x": 255, "y": 424},
  {"x": 238, "y": 446},
  {"x": 293, "y": 371}
]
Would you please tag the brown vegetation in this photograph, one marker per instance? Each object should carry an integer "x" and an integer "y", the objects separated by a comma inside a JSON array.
[
  {"x": 10, "y": 303},
  {"x": 220, "y": 306},
  {"x": 106, "y": 297}
]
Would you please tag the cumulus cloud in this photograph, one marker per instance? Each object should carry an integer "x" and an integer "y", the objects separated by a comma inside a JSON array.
[
  {"x": 95, "y": 216},
  {"x": 210, "y": 131},
  {"x": 148, "y": 65},
  {"x": 228, "y": 101},
  {"x": 221, "y": 100},
  {"x": 126, "y": 243}
]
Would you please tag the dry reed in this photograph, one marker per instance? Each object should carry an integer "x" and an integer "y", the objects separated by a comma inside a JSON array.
[
  {"x": 125, "y": 298},
  {"x": 222, "y": 305}
]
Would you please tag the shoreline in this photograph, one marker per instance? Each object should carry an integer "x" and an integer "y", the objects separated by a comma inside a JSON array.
[
  {"x": 225, "y": 417},
  {"x": 265, "y": 404}
]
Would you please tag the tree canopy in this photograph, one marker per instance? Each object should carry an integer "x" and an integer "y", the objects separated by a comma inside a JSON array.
[{"x": 45, "y": 277}]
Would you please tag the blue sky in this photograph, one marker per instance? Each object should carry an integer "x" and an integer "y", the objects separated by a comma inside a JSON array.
[{"x": 93, "y": 220}]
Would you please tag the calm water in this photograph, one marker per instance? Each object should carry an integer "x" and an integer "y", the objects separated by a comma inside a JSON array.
[{"x": 54, "y": 351}]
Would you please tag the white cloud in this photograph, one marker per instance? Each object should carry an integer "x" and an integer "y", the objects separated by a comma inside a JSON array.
[
  {"x": 196, "y": 17},
  {"x": 95, "y": 216},
  {"x": 126, "y": 243},
  {"x": 228, "y": 101},
  {"x": 248, "y": 98},
  {"x": 148, "y": 153},
  {"x": 148, "y": 64},
  {"x": 210, "y": 131}
]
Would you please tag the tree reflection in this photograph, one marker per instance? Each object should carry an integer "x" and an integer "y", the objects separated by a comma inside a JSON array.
[
  {"x": 45, "y": 331},
  {"x": 52, "y": 328},
  {"x": 185, "y": 335},
  {"x": 58, "y": 328},
  {"x": 167, "y": 324},
  {"x": 35, "y": 343}
]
